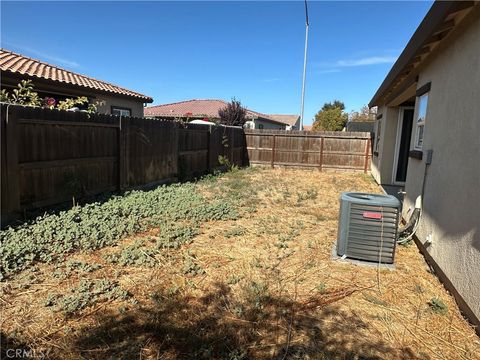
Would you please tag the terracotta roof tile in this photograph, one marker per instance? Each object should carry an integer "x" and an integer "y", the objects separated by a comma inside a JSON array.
[
  {"x": 16, "y": 63},
  {"x": 196, "y": 108}
]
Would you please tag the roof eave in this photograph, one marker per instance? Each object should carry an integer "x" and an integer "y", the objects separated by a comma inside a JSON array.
[
  {"x": 434, "y": 18},
  {"x": 18, "y": 75}
]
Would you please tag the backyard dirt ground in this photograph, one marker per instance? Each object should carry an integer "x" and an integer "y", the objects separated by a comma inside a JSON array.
[{"x": 260, "y": 286}]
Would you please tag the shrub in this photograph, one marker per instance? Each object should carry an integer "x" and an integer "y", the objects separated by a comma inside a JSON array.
[
  {"x": 22, "y": 95},
  {"x": 25, "y": 95},
  {"x": 233, "y": 114}
]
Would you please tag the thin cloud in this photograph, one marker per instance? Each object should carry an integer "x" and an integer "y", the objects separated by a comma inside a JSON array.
[
  {"x": 329, "y": 71},
  {"x": 56, "y": 60},
  {"x": 271, "y": 80},
  {"x": 373, "y": 60},
  {"x": 335, "y": 66}
]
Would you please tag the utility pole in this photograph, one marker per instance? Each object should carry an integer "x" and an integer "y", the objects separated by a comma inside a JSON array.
[{"x": 304, "y": 65}]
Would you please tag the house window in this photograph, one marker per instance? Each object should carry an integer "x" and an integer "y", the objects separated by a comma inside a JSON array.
[
  {"x": 260, "y": 126},
  {"x": 377, "y": 135},
  {"x": 420, "y": 123},
  {"x": 119, "y": 111}
]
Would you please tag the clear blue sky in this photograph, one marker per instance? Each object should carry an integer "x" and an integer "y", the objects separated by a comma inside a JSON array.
[{"x": 253, "y": 51}]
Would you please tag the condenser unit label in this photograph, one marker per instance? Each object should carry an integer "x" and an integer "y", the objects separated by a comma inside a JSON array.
[{"x": 372, "y": 215}]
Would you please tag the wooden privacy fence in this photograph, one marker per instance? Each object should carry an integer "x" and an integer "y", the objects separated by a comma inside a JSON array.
[
  {"x": 322, "y": 150},
  {"x": 51, "y": 156},
  {"x": 200, "y": 146}
]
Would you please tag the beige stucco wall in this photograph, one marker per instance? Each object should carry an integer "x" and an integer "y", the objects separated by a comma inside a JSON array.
[
  {"x": 134, "y": 105},
  {"x": 451, "y": 204},
  {"x": 382, "y": 164},
  {"x": 296, "y": 126},
  {"x": 268, "y": 125}
]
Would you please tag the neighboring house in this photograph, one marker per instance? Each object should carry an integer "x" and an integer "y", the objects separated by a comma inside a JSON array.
[
  {"x": 207, "y": 109},
  {"x": 307, "y": 127},
  {"x": 428, "y": 142},
  {"x": 292, "y": 121},
  {"x": 52, "y": 81},
  {"x": 360, "y": 126}
]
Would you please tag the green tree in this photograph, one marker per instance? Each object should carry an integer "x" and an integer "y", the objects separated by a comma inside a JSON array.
[
  {"x": 333, "y": 105},
  {"x": 331, "y": 117},
  {"x": 365, "y": 114}
]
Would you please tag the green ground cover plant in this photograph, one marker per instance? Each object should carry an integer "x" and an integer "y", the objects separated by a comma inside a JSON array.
[
  {"x": 86, "y": 293},
  {"x": 135, "y": 254},
  {"x": 71, "y": 267},
  {"x": 94, "y": 226}
]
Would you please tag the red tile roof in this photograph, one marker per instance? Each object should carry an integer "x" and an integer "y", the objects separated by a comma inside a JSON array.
[
  {"x": 197, "y": 108},
  {"x": 16, "y": 63}
]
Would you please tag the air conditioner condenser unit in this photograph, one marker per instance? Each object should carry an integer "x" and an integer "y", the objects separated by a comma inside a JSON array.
[{"x": 368, "y": 226}]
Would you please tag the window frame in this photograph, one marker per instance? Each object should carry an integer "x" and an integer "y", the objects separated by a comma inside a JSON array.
[
  {"x": 420, "y": 121},
  {"x": 378, "y": 131},
  {"x": 113, "y": 107}
]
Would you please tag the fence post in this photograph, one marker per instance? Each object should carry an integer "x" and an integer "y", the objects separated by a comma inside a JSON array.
[
  {"x": 121, "y": 156},
  {"x": 367, "y": 150},
  {"x": 126, "y": 152},
  {"x": 244, "y": 147},
  {"x": 321, "y": 153},
  {"x": 232, "y": 150},
  {"x": 11, "y": 202},
  {"x": 174, "y": 146},
  {"x": 273, "y": 151},
  {"x": 211, "y": 161},
  {"x": 208, "y": 148}
]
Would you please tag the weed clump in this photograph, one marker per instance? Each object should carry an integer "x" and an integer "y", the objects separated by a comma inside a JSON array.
[
  {"x": 190, "y": 265},
  {"x": 134, "y": 255},
  {"x": 87, "y": 293},
  {"x": 375, "y": 300},
  {"x": 438, "y": 306},
  {"x": 236, "y": 231},
  {"x": 310, "y": 194},
  {"x": 72, "y": 267},
  {"x": 172, "y": 235}
]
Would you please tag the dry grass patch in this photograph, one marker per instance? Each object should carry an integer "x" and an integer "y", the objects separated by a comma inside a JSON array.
[{"x": 260, "y": 286}]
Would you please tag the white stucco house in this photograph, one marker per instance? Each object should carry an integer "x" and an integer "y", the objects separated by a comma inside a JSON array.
[{"x": 428, "y": 143}]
